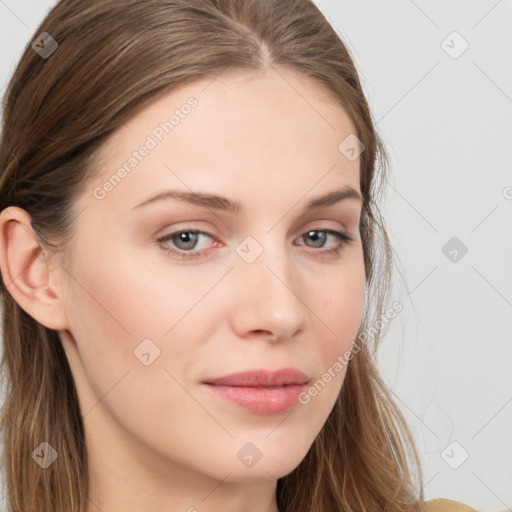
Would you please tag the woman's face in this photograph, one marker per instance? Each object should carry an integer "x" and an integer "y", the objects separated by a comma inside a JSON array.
[{"x": 153, "y": 315}]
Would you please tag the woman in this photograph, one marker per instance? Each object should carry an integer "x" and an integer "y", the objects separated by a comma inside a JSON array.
[{"x": 192, "y": 258}]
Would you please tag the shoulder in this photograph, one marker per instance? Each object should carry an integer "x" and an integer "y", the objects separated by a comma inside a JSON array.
[{"x": 444, "y": 505}]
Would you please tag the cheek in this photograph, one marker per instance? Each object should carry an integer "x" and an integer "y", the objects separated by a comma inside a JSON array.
[
  {"x": 337, "y": 303},
  {"x": 117, "y": 307},
  {"x": 340, "y": 306},
  {"x": 122, "y": 294},
  {"x": 121, "y": 310}
]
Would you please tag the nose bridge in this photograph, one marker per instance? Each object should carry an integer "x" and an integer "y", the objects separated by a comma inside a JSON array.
[{"x": 267, "y": 288}]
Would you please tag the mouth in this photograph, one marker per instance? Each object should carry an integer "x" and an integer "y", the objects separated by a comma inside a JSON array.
[
  {"x": 261, "y": 392},
  {"x": 262, "y": 378}
]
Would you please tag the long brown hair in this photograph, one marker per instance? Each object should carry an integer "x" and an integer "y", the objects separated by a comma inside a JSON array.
[{"x": 113, "y": 58}]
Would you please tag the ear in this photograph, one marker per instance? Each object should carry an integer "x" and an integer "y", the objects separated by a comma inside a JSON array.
[{"x": 25, "y": 270}]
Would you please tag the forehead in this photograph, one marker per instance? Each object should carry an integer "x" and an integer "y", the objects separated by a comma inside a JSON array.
[{"x": 235, "y": 131}]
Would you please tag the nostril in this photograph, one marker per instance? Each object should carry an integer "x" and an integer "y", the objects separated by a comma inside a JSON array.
[{"x": 263, "y": 331}]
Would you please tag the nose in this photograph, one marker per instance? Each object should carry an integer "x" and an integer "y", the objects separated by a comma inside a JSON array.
[{"x": 269, "y": 298}]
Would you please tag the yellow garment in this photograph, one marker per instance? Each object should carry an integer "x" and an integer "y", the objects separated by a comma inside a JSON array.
[{"x": 444, "y": 505}]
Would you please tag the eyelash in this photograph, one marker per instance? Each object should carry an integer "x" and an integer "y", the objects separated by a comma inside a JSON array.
[{"x": 343, "y": 237}]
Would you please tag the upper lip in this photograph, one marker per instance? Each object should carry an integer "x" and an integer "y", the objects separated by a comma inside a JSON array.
[{"x": 261, "y": 378}]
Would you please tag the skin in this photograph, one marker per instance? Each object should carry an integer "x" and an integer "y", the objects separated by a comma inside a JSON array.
[{"x": 157, "y": 441}]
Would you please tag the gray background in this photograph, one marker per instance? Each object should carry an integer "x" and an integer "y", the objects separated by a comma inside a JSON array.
[{"x": 446, "y": 118}]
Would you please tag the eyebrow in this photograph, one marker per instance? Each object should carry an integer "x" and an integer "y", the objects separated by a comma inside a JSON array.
[{"x": 223, "y": 203}]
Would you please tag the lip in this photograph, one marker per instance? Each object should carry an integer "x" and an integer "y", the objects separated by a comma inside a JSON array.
[
  {"x": 261, "y": 378},
  {"x": 260, "y": 391}
]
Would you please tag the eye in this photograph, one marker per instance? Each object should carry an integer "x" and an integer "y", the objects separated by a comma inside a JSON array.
[
  {"x": 319, "y": 236},
  {"x": 186, "y": 241}
]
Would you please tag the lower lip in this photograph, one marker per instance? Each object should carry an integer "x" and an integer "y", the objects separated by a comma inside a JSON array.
[{"x": 260, "y": 400}]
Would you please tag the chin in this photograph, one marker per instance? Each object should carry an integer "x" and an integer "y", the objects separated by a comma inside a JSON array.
[
  {"x": 262, "y": 473},
  {"x": 272, "y": 465}
]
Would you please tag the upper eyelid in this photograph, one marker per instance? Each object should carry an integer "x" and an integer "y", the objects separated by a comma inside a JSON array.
[
  {"x": 314, "y": 225},
  {"x": 188, "y": 229}
]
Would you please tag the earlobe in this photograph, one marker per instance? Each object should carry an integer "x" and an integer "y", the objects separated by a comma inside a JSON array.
[{"x": 25, "y": 270}]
